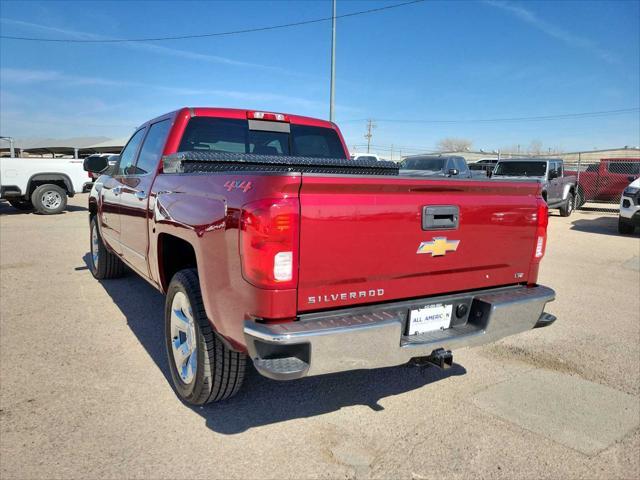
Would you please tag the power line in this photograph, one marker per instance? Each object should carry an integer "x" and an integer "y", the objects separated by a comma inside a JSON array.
[
  {"x": 603, "y": 113},
  {"x": 214, "y": 34}
]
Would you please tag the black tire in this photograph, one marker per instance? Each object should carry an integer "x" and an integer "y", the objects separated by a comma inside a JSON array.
[
  {"x": 107, "y": 264},
  {"x": 569, "y": 205},
  {"x": 625, "y": 227},
  {"x": 21, "y": 204},
  {"x": 219, "y": 371},
  {"x": 49, "y": 199},
  {"x": 579, "y": 198}
]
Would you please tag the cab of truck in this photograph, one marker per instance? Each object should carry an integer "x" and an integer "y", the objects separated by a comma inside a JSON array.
[{"x": 558, "y": 188}]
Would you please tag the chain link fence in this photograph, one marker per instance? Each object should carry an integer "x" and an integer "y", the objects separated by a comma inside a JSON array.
[{"x": 600, "y": 182}]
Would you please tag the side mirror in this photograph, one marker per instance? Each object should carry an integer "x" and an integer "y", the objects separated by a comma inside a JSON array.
[
  {"x": 553, "y": 174},
  {"x": 453, "y": 171},
  {"x": 95, "y": 164}
]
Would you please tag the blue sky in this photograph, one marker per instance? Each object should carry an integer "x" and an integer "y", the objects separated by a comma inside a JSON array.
[{"x": 434, "y": 60}]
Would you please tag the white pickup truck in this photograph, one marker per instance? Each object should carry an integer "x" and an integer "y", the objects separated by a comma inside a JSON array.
[{"x": 41, "y": 184}]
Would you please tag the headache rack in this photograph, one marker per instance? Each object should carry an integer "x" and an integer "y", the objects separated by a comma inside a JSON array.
[{"x": 209, "y": 162}]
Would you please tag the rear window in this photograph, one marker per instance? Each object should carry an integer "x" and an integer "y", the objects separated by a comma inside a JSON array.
[
  {"x": 432, "y": 164},
  {"x": 521, "y": 169},
  {"x": 234, "y": 136}
]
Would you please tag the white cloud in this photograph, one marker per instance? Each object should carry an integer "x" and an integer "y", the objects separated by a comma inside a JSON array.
[{"x": 559, "y": 33}]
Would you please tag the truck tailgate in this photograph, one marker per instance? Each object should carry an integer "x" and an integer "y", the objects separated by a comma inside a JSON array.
[{"x": 359, "y": 238}]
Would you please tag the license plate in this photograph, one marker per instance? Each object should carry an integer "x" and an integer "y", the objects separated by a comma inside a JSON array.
[{"x": 430, "y": 318}]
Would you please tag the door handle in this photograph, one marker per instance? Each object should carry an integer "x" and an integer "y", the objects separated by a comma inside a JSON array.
[
  {"x": 141, "y": 195},
  {"x": 117, "y": 190},
  {"x": 440, "y": 217}
]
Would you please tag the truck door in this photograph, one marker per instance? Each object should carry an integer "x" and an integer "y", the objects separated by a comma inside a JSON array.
[
  {"x": 554, "y": 193},
  {"x": 110, "y": 224},
  {"x": 134, "y": 199}
]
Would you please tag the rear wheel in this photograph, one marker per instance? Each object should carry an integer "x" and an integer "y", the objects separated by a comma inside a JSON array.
[
  {"x": 625, "y": 227},
  {"x": 203, "y": 368},
  {"x": 569, "y": 205},
  {"x": 21, "y": 204},
  {"x": 49, "y": 199},
  {"x": 103, "y": 263},
  {"x": 579, "y": 200}
]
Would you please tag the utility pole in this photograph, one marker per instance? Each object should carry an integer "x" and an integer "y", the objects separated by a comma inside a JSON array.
[
  {"x": 333, "y": 63},
  {"x": 12, "y": 151},
  {"x": 368, "y": 135}
]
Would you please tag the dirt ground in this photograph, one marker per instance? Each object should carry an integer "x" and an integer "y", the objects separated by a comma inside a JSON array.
[{"x": 85, "y": 393}]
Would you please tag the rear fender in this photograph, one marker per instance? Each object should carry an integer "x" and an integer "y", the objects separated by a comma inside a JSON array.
[{"x": 42, "y": 178}]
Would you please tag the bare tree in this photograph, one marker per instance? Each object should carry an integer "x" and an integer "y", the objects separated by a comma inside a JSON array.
[
  {"x": 535, "y": 147},
  {"x": 452, "y": 144}
]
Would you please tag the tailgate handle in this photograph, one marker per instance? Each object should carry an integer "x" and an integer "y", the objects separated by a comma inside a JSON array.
[{"x": 444, "y": 217}]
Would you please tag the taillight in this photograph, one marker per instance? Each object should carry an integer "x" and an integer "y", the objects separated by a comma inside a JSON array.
[
  {"x": 542, "y": 219},
  {"x": 269, "y": 232}
]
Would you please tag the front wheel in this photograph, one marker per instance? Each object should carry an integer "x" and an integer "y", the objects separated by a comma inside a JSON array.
[
  {"x": 203, "y": 368},
  {"x": 569, "y": 205},
  {"x": 49, "y": 199},
  {"x": 625, "y": 227}
]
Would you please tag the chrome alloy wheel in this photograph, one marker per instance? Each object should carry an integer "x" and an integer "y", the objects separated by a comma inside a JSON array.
[
  {"x": 572, "y": 202},
  {"x": 183, "y": 338},
  {"x": 95, "y": 247},
  {"x": 51, "y": 199}
]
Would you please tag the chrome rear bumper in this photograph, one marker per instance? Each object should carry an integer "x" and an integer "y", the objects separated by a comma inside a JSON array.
[{"x": 374, "y": 336}]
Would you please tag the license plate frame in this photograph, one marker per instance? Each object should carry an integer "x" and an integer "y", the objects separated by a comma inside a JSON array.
[{"x": 429, "y": 318}]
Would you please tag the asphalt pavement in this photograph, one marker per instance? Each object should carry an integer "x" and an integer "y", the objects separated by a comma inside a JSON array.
[{"x": 85, "y": 393}]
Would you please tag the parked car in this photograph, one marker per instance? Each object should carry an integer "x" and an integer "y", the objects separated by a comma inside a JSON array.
[
  {"x": 435, "y": 165},
  {"x": 558, "y": 189},
  {"x": 277, "y": 257},
  {"x": 629, "y": 217},
  {"x": 605, "y": 180},
  {"x": 485, "y": 165},
  {"x": 41, "y": 184},
  {"x": 365, "y": 156}
]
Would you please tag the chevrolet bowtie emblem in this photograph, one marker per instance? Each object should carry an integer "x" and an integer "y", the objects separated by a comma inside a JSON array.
[{"x": 439, "y": 246}]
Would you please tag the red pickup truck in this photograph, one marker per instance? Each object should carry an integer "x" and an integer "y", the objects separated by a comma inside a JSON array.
[
  {"x": 605, "y": 181},
  {"x": 269, "y": 242}
]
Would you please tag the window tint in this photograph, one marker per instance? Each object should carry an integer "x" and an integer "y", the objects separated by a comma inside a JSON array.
[
  {"x": 628, "y": 168},
  {"x": 152, "y": 147},
  {"x": 268, "y": 143},
  {"x": 234, "y": 136},
  {"x": 316, "y": 142},
  {"x": 521, "y": 169},
  {"x": 215, "y": 134},
  {"x": 461, "y": 165},
  {"x": 424, "y": 163},
  {"x": 128, "y": 155}
]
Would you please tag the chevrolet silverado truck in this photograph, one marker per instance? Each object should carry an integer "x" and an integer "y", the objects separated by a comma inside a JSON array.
[
  {"x": 41, "y": 184},
  {"x": 270, "y": 243},
  {"x": 603, "y": 181},
  {"x": 558, "y": 188}
]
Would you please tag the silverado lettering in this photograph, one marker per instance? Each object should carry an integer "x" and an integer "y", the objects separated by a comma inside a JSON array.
[
  {"x": 272, "y": 245},
  {"x": 334, "y": 297}
]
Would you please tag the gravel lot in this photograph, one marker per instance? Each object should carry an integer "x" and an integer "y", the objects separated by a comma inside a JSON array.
[{"x": 85, "y": 390}]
